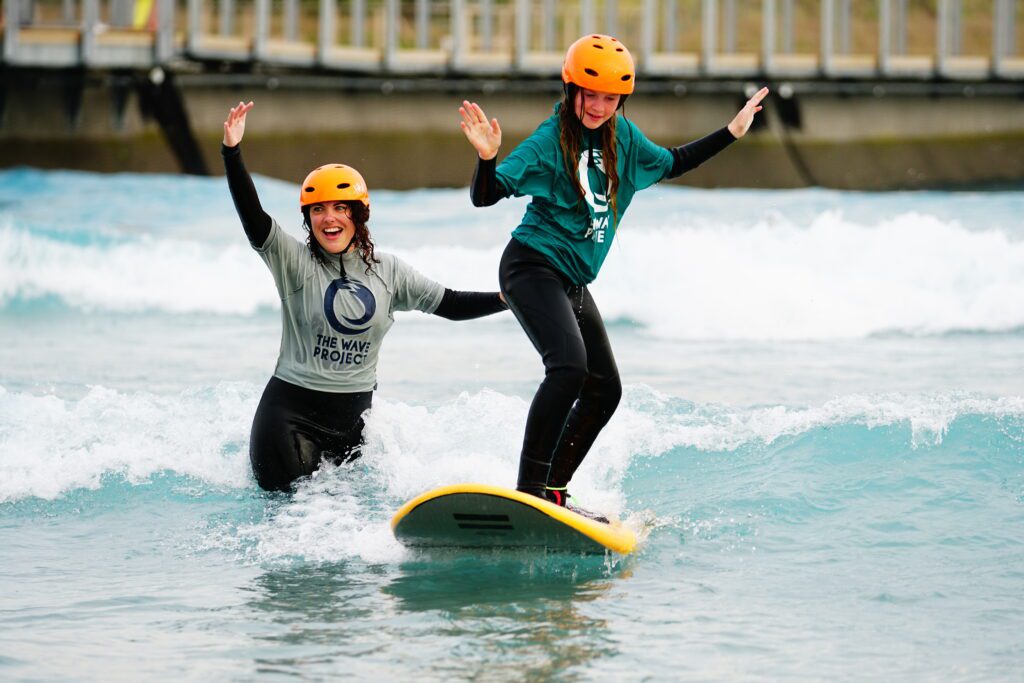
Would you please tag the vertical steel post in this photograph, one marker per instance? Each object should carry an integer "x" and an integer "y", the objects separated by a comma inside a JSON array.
[
  {"x": 956, "y": 27},
  {"x": 227, "y": 17},
  {"x": 942, "y": 37},
  {"x": 259, "y": 40},
  {"x": 767, "y": 35},
  {"x": 548, "y": 21},
  {"x": 165, "y": 30},
  {"x": 68, "y": 11},
  {"x": 669, "y": 33},
  {"x": 390, "y": 33},
  {"x": 358, "y": 23},
  {"x": 422, "y": 24},
  {"x": 611, "y": 17},
  {"x": 522, "y": 9},
  {"x": 827, "y": 37},
  {"x": 194, "y": 11},
  {"x": 709, "y": 26},
  {"x": 10, "y": 30},
  {"x": 844, "y": 27},
  {"x": 327, "y": 30},
  {"x": 729, "y": 28},
  {"x": 900, "y": 28},
  {"x": 587, "y": 17},
  {"x": 1011, "y": 27},
  {"x": 291, "y": 20},
  {"x": 884, "y": 35},
  {"x": 647, "y": 19},
  {"x": 458, "y": 29},
  {"x": 787, "y": 26},
  {"x": 487, "y": 24},
  {"x": 90, "y": 24}
]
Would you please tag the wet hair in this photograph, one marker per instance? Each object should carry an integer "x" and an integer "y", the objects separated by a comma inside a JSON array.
[
  {"x": 360, "y": 214},
  {"x": 570, "y": 138}
]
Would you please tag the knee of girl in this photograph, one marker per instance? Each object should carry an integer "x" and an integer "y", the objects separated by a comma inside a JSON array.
[
  {"x": 570, "y": 375},
  {"x": 611, "y": 392}
]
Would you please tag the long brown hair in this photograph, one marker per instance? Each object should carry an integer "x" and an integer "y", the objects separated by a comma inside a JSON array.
[
  {"x": 570, "y": 138},
  {"x": 360, "y": 214}
]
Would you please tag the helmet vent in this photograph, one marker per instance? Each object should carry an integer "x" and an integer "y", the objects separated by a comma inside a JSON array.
[
  {"x": 627, "y": 77},
  {"x": 598, "y": 37},
  {"x": 599, "y": 47},
  {"x": 618, "y": 49},
  {"x": 342, "y": 186},
  {"x": 591, "y": 72},
  {"x": 310, "y": 189}
]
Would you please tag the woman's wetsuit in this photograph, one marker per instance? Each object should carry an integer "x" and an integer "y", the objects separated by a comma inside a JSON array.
[
  {"x": 581, "y": 387},
  {"x": 335, "y": 314}
]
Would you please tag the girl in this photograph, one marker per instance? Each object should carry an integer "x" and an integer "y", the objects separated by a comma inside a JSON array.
[
  {"x": 582, "y": 167},
  {"x": 338, "y": 296}
]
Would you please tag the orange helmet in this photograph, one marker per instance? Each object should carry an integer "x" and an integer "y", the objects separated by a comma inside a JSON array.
[
  {"x": 333, "y": 183},
  {"x": 601, "y": 63}
]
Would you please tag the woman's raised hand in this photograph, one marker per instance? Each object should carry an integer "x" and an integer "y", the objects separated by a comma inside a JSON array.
[
  {"x": 234, "y": 126},
  {"x": 484, "y": 136},
  {"x": 741, "y": 123}
]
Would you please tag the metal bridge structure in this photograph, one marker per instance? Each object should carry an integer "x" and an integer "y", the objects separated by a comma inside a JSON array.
[{"x": 841, "y": 40}]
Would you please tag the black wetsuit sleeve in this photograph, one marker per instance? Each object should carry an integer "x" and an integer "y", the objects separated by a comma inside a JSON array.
[
  {"x": 691, "y": 155},
  {"x": 467, "y": 305},
  {"x": 486, "y": 188},
  {"x": 255, "y": 221}
]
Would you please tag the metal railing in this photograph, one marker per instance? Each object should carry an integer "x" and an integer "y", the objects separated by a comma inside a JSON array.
[{"x": 868, "y": 39}]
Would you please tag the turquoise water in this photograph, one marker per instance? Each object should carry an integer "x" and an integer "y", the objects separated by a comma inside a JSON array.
[{"x": 821, "y": 444}]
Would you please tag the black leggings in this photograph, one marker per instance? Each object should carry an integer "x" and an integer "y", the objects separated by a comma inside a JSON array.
[
  {"x": 581, "y": 387},
  {"x": 295, "y": 428}
]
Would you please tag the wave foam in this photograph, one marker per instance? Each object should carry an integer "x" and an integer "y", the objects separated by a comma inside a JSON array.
[
  {"x": 830, "y": 278},
  {"x": 50, "y": 445}
]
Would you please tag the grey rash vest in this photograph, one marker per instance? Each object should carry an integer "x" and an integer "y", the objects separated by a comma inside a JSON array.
[{"x": 333, "y": 323}]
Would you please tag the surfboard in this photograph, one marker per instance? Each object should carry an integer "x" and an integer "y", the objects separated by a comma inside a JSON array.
[{"x": 485, "y": 516}]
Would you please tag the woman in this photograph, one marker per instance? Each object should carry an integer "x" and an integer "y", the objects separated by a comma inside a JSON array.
[
  {"x": 582, "y": 167},
  {"x": 338, "y": 296}
]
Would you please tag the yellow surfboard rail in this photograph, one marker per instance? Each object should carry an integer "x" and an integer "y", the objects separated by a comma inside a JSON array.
[{"x": 613, "y": 536}]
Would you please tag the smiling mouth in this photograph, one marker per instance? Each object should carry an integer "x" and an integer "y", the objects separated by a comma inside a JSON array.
[{"x": 332, "y": 232}]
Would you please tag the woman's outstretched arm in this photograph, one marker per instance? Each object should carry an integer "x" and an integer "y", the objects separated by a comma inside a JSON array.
[
  {"x": 255, "y": 221},
  {"x": 457, "y": 305}
]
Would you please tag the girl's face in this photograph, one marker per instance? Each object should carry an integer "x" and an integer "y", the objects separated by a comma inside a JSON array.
[
  {"x": 594, "y": 108},
  {"x": 332, "y": 226}
]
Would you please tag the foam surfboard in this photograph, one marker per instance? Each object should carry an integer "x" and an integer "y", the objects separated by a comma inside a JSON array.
[{"x": 485, "y": 516}]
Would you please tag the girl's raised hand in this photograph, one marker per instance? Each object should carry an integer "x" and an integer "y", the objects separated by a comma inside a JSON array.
[
  {"x": 741, "y": 123},
  {"x": 234, "y": 126},
  {"x": 484, "y": 136}
]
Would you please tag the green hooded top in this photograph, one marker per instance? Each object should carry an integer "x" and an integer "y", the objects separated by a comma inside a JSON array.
[{"x": 574, "y": 234}]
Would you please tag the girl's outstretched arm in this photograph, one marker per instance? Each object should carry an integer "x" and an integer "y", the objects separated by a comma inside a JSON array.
[{"x": 691, "y": 155}]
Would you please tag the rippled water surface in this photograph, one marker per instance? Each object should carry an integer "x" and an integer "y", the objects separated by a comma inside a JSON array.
[{"x": 821, "y": 444}]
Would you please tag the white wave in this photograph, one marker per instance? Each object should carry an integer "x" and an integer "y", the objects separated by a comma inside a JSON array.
[
  {"x": 143, "y": 275},
  {"x": 831, "y": 277},
  {"x": 834, "y": 278},
  {"x": 655, "y": 423},
  {"x": 49, "y": 445}
]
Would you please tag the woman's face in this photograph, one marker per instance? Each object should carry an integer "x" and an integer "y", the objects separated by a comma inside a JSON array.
[
  {"x": 332, "y": 226},
  {"x": 594, "y": 108}
]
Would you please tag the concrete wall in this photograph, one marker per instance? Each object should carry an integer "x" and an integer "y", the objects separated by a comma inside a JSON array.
[{"x": 411, "y": 139}]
